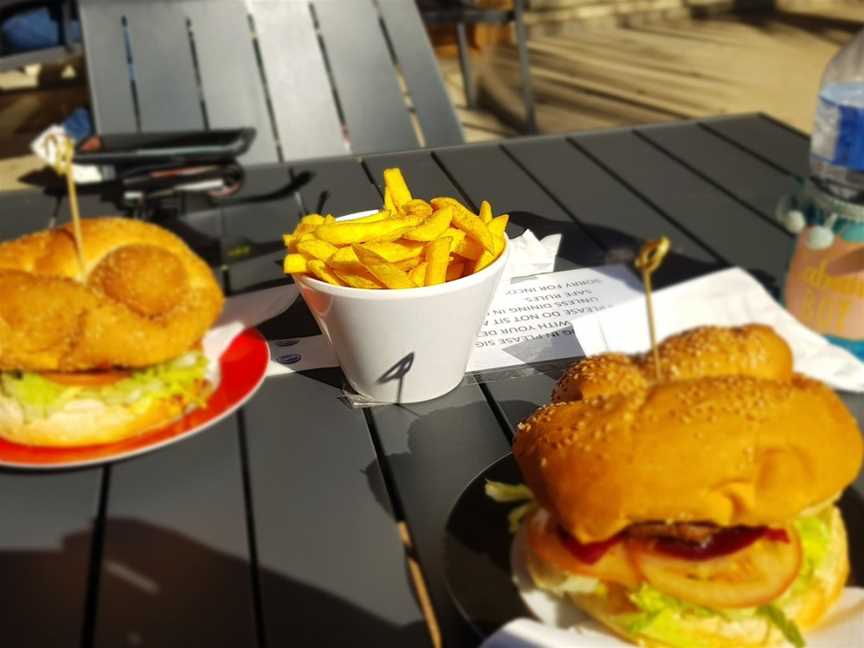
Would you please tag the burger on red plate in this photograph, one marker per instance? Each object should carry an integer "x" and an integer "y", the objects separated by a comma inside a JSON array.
[
  {"x": 99, "y": 355},
  {"x": 694, "y": 511}
]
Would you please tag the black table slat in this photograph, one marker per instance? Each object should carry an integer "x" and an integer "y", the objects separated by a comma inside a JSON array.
[
  {"x": 726, "y": 165},
  {"x": 337, "y": 187},
  {"x": 45, "y": 551},
  {"x": 612, "y": 214},
  {"x": 488, "y": 173},
  {"x": 175, "y": 565},
  {"x": 716, "y": 220},
  {"x": 433, "y": 450},
  {"x": 331, "y": 564},
  {"x": 780, "y": 145}
]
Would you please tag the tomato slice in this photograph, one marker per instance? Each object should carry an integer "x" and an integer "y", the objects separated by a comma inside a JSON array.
[
  {"x": 86, "y": 378},
  {"x": 545, "y": 540},
  {"x": 757, "y": 574}
]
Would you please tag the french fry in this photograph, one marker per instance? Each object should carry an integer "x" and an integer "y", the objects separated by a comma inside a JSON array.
[
  {"x": 348, "y": 232},
  {"x": 417, "y": 207},
  {"x": 329, "y": 219},
  {"x": 372, "y": 218},
  {"x": 361, "y": 278},
  {"x": 496, "y": 228},
  {"x": 313, "y": 220},
  {"x": 389, "y": 204},
  {"x": 485, "y": 212},
  {"x": 409, "y": 264},
  {"x": 418, "y": 274},
  {"x": 455, "y": 269},
  {"x": 294, "y": 264},
  {"x": 399, "y": 191},
  {"x": 456, "y": 237},
  {"x": 468, "y": 222},
  {"x": 394, "y": 251},
  {"x": 437, "y": 255},
  {"x": 382, "y": 270},
  {"x": 469, "y": 249},
  {"x": 322, "y": 272},
  {"x": 433, "y": 227},
  {"x": 316, "y": 248}
]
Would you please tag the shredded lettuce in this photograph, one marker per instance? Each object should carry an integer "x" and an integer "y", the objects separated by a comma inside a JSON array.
[
  {"x": 780, "y": 621},
  {"x": 501, "y": 492},
  {"x": 511, "y": 493},
  {"x": 40, "y": 397}
]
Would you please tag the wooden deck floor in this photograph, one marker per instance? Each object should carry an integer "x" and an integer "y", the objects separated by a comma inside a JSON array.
[
  {"x": 583, "y": 79},
  {"x": 664, "y": 71}
]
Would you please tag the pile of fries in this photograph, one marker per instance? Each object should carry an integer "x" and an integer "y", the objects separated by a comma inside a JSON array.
[{"x": 408, "y": 244}]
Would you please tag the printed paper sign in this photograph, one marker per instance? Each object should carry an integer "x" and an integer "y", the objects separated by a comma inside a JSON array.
[{"x": 530, "y": 322}]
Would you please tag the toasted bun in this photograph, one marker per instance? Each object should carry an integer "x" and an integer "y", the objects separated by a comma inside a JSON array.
[
  {"x": 92, "y": 422},
  {"x": 730, "y": 450},
  {"x": 144, "y": 298},
  {"x": 805, "y": 608},
  {"x": 752, "y": 350}
]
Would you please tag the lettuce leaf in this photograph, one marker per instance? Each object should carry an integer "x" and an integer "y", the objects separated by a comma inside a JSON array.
[
  {"x": 780, "y": 621},
  {"x": 501, "y": 492},
  {"x": 40, "y": 397}
]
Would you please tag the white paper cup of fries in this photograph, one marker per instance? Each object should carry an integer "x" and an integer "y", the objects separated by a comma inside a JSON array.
[
  {"x": 404, "y": 346},
  {"x": 401, "y": 293}
]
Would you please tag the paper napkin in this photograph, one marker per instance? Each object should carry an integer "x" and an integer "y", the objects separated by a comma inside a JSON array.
[
  {"x": 842, "y": 628},
  {"x": 726, "y": 298}
]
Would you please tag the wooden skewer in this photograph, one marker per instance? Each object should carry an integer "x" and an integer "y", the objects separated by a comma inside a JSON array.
[
  {"x": 650, "y": 257},
  {"x": 65, "y": 153}
]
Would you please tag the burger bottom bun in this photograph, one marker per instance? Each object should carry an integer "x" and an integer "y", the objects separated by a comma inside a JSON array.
[
  {"x": 807, "y": 608},
  {"x": 92, "y": 422}
]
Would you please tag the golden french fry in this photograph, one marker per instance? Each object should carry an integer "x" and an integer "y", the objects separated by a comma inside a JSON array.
[
  {"x": 467, "y": 221},
  {"x": 456, "y": 237},
  {"x": 437, "y": 256},
  {"x": 394, "y": 251},
  {"x": 316, "y": 248},
  {"x": 313, "y": 219},
  {"x": 329, "y": 218},
  {"x": 288, "y": 240},
  {"x": 455, "y": 270},
  {"x": 409, "y": 264},
  {"x": 433, "y": 227},
  {"x": 496, "y": 228},
  {"x": 399, "y": 191},
  {"x": 384, "y": 271},
  {"x": 372, "y": 218},
  {"x": 418, "y": 274},
  {"x": 322, "y": 272},
  {"x": 485, "y": 212},
  {"x": 347, "y": 232},
  {"x": 389, "y": 204},
  {"x": 469, "y": 249},
  {"x": 417, "y": 207},
  {"x": 360, "y": 278},
  {"x": 294, "y": 263}
]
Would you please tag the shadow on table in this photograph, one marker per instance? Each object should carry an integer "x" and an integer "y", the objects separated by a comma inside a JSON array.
[
  {"x": 160, "y": 588},
  {"x": 621, "y": 248}
]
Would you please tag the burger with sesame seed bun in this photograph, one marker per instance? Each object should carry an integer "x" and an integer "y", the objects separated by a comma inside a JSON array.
[{"x": 697, "y": 510}]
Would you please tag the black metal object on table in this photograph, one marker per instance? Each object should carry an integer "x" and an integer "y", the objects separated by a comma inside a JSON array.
[{"x": 279, "y": 526}]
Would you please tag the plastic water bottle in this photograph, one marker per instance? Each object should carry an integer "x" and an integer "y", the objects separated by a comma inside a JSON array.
[{"x": 837, "y": 143}]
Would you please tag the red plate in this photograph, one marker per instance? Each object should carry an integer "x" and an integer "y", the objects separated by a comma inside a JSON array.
[{"x": 243, "y": 366}]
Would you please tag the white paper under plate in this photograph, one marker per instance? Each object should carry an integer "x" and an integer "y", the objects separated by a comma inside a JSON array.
[{"x": 563, "y": 625}]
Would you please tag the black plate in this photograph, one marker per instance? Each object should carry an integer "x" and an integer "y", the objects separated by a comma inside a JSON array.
[
  {"x": 477, "y": 553},
  {"x": 477, "y": 550}
]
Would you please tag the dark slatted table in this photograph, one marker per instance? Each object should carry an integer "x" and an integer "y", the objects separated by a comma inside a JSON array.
[{"x": 280, "y": 526}]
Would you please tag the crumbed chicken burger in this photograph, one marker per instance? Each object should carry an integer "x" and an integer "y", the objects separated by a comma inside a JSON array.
[{"x": 99, "y": 356}]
